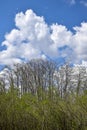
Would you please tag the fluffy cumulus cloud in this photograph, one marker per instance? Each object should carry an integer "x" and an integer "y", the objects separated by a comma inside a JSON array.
[
  {"x": 80, "y": 41},
  {"x": 34, "y": 38}
]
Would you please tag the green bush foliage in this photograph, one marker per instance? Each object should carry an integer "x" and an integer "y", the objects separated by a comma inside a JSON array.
[{"x": 28, "y": 112}]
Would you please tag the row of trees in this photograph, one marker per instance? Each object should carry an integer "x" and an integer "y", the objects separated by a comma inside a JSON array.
[
  {"x": 45, "y": 75},
  {"x": 39, "y": 95}
]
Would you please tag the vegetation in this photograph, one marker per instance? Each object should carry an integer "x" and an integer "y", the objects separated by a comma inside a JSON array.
[{"x": 39, "y": 99}]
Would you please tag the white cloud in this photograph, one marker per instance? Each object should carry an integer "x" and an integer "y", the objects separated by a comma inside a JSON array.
[
  {"x": 80, "y": 41},
  {"x": 83, "y": 3},
  {"x": 33, "y": 38},
  {"x": 71, "y": 2},
  {"x": 60, "y": 35}
]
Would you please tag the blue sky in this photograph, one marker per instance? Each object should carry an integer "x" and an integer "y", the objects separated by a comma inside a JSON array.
[
  {"x": 60, "y": 11},
  {"x": 61, "y": 18}
]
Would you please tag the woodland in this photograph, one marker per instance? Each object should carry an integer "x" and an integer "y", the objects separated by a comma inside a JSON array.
[{"x": 42, "y": 95}]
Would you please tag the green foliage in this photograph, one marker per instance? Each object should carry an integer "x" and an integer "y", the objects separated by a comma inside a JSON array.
[
  {"x": 28, "y": 112},
  {"x": 42, "y": 96}
]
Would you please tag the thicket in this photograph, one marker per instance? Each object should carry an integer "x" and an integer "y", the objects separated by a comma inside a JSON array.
[{"x": 36, "y": 101}]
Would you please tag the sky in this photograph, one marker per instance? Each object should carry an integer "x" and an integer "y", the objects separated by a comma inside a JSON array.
[{"x": 39, "y": 29}]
